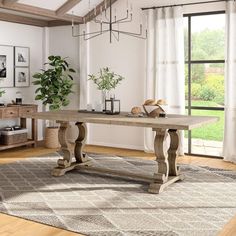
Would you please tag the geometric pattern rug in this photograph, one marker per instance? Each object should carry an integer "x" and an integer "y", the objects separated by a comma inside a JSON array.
[{"x": 100, "y": 205}]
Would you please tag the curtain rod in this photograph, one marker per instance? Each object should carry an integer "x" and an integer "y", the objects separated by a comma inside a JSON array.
[{"x": 184, "y": 4}]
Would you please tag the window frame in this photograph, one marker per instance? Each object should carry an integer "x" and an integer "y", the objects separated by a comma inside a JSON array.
[{"x": 189, "y": 64}]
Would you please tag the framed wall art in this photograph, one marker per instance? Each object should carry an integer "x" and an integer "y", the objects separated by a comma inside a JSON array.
[
  {"x": 22, "y": 77},
  {"x": 6, "y": 66},
  {"x": 21, "y": 56}
]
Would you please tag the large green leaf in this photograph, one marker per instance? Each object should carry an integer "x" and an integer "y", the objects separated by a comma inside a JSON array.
[
  {"x": 38, "y": 90},
  {"x": 37, "y": 75},
  {"x": 51, "y": 58},
  {"x": 66, "y": 63},
  {"x": 72, "y": 70},
  {"x": 38, "y": 97},
  {"x": 36, "y": 82},
  {"x": 71, "y": 77}
]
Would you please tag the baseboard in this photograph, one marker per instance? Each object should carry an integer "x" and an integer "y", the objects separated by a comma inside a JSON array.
[{"x": 40, "y": 143}]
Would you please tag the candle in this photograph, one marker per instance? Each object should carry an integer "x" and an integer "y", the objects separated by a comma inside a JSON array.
[
  {"x": 127, "y": 5},
  {"x": 105, "y": 4}
]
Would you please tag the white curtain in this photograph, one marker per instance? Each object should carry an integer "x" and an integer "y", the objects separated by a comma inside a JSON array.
[
  {"x": 165, "y": 63},
  {"x": 229, "y": 146},
  {"x": 84, "y": 70}
]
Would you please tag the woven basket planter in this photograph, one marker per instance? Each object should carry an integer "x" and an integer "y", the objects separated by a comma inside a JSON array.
[
  {"x": 51, "y": 137},
  {"x": 13, "y": 137}
]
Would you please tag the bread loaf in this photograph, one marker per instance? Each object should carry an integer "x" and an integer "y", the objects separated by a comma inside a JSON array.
[
  {"x": 150, "y": 102},
  {"x": 154, "y": 102},
  {"x": 161, "y": 102},
  {"x": 136, "y": 110}
]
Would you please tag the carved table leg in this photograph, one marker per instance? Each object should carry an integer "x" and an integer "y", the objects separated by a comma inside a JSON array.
[
  {"x": 167, "y": 169},
  {"x": 63, "y": 164},
  {"x": 80, "y": 142},
  {"x": 172, "y": 154},
  {"x": 161, "y": 175},
  {"x": 174, "y": 144}
]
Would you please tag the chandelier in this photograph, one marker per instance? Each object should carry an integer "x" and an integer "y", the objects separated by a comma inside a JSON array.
[{"x": 110, "y": 24}]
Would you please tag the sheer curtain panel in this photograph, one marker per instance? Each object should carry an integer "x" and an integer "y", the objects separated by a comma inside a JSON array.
[
  {"x": 165, "y": 62},
  {"x": 229, "y": 147}
]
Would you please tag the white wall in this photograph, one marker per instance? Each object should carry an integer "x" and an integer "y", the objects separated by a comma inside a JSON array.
[
  {"x": 126, "y": 58},
  {"x": 26, "y": 36}
]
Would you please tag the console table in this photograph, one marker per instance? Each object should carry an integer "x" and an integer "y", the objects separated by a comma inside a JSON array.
[
  {"x": 166, "y": 171},
  {"x": 19, "y": 111}
]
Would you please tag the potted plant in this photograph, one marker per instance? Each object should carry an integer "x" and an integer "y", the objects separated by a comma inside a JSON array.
[
  {"x": 1, "y": 93},
  {"x": 106, "y": 80},
  {"x": 55, "y": 85}
]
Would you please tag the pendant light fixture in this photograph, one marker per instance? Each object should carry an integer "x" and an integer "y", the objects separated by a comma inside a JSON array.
[{"x": 109, "y": 23}]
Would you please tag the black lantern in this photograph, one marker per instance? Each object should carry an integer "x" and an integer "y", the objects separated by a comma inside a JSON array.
[{"x": 112, "y": 106}]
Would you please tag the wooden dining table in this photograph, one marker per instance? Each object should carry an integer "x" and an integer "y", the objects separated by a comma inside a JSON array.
[{"x": 166, "y": 171}]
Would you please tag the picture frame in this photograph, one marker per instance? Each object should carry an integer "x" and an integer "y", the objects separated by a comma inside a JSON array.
[
  {"x": 6, "y": 66},
  {"x": 22, "y": 56},
  {"x": 22, "y": 78}
]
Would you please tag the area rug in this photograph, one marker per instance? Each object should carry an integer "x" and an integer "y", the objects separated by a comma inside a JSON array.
[{"x": 100, "y": 205}]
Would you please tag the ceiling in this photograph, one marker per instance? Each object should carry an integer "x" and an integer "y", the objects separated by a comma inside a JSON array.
[
  {"x": 50, "y": 13},
  {"x": 61, "y": 12},
  {"x": 51, "y": 4}
]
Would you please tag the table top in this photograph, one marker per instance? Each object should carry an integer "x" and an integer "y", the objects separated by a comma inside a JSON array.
[
  {"x": 14, "y": 105},
  {"x": 172, "y": 121}
]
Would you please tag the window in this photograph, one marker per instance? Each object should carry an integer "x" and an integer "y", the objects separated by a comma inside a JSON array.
[{"x": 204, "y": 80}]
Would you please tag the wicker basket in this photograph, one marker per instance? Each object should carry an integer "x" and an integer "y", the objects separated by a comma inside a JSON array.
[
  {"x": 51, "y": 137},
  {"x": 13, "y": 137}
]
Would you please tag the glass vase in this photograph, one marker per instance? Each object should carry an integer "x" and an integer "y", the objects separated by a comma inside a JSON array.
[{"x": 105, "y": 95}]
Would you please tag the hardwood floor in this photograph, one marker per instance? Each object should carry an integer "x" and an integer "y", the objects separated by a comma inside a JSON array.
[{"x": 29, "y": 228}]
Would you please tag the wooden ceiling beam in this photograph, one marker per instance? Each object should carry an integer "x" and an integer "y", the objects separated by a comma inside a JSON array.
[
  {"x": 54, "y": 23},
  {"x": 9, "y": 2},
  {"x": 99, "y": 9},
  {"x": 19, "y": 7},
  {"x": 22, "y": 20},
  {"x": 68, "y": 5}
]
